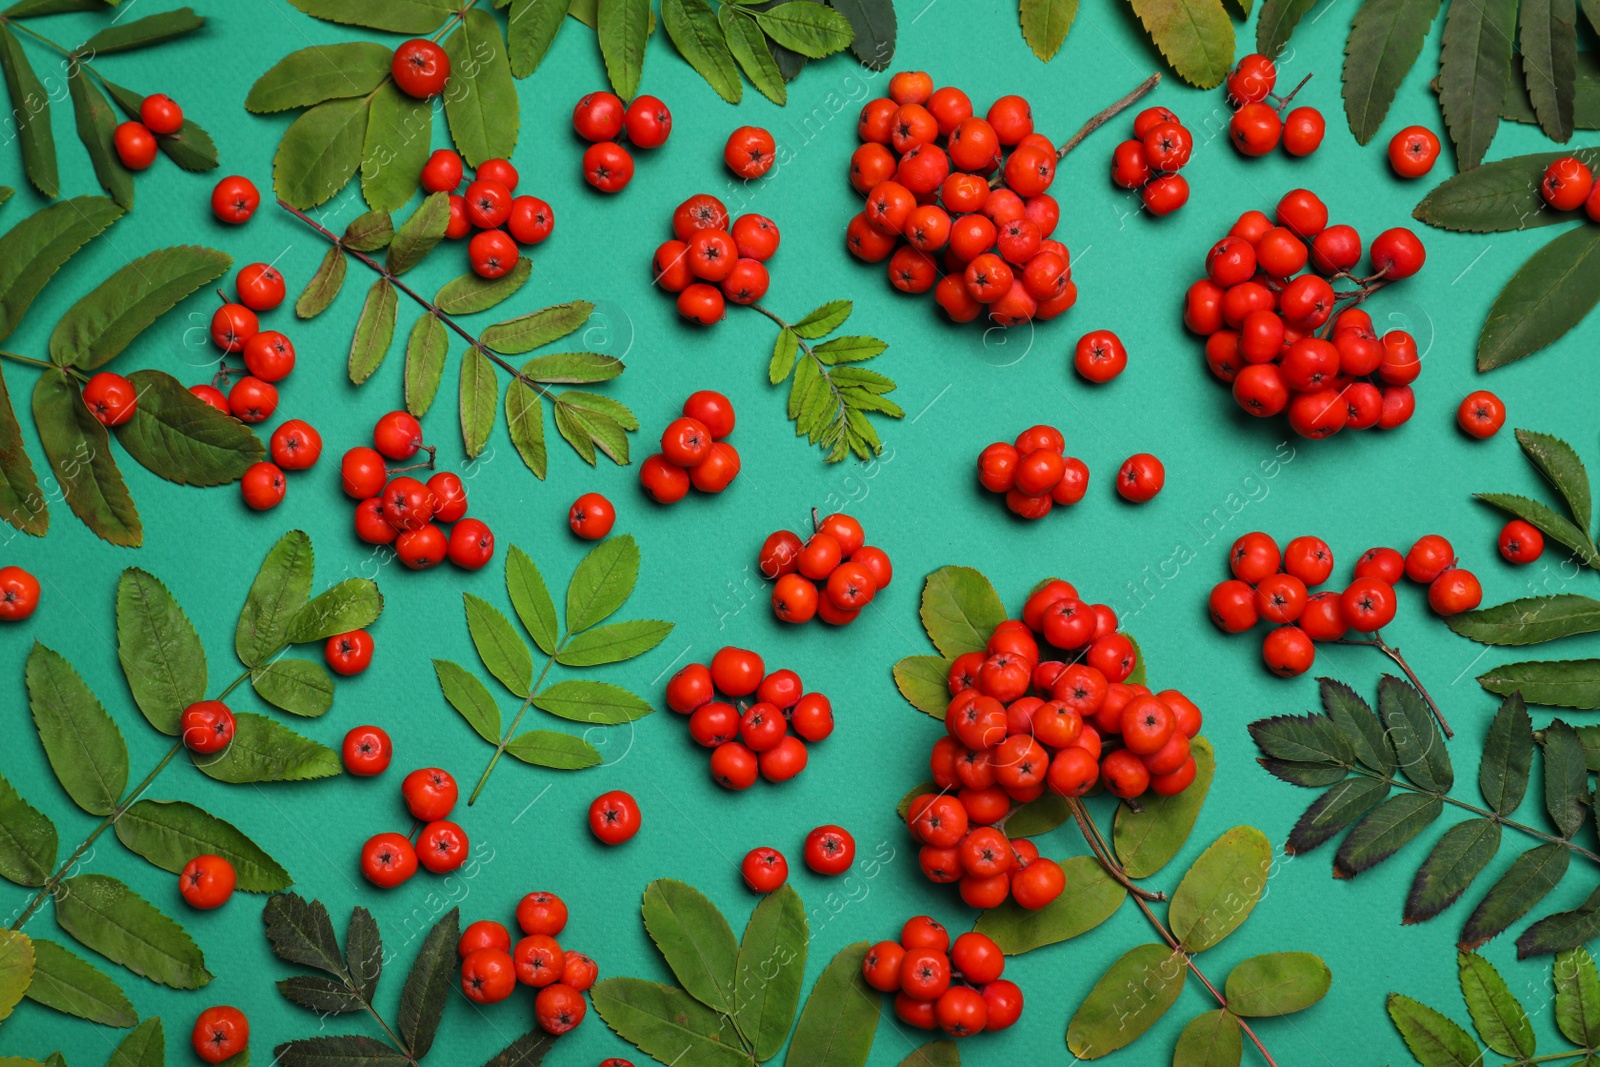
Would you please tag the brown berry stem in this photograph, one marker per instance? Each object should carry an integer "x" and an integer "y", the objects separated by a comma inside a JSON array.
[
  {"x": 1102, "y": 852},
  {"x": 1103, "y": 117},
  {"x": 1393, "y": 653},
  {"x": 1283, "y": 101},
  {"x": 425, "y": 465}
]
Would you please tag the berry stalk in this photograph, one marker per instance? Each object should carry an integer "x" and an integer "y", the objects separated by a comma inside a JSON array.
[
  {"x": 1393, "y": 653},
  {"x": 511, "y": 731},
  {"x": 1095, "y": 122}
]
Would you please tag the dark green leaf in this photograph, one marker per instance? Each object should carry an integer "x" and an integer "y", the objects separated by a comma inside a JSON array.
[
  {"x": 345, "y": 1050},
  {"x": 1385, "y": 39},
  {"x": 480, "y": 400},
  {"x": 530, "y": 598},
  {"x": 1507, "y": 756},
  {"x": 425, "y": 356},
  {"x": 170, "y": 833},
  {"x": 597, "y": 703},
  {"x": 1586, "y": 104},
  {"x": 482, "y": 102},
  {"x": 177, "y": 436},
  {"x": 1460, "y": 855},
  {"x": 82, "y": 743},
  {"x": 160, "y": 653},
  {"x": 300, "y": 931},
  {"x": 770, "y": 970},
  {"x": 527, "y": 332},
  {"x": 666, "y": 1023},
  {"x": 97, "y": 125},
  {"x": 1562, "y": 930},
  {"x": 323, "y": 286},
  {"x": 471, "y": 293},
  {"x": 1573, "y": 683},
  {"x": 840, "y": 1018},
  {"x": 922, "y": 680},
  {"x": 30, "y": 8},
  {"x": 1525, "y": 883},
  {"x": 279, "y": 591},
  {"x": 353, "y": 604},
  {"x": 1529, "y": 620},
  {"x": 142, "y": 32},
  {"x": 1384, "y": 831},
  {"x": 1497, "y": 1016},
  {"x": 369, "y": 232},
  {"x": 363, "y": 952},
  {"x": 1108, "y": 1018},
  {"x": 331, "y": 996},
  {"x": 100, "y": 325},
  {"x": 873, "y": 25},
  {"x": 1308, "y": 775},
  {"x": 1090, "y": 898},
  {"x": 1277, "y": 22},
  {"x": 1221, "y": 889},
  {"x": 21, "y": 503},
  {"x": 1334, "y": 810},
  {"x": 1577, "y": 997},
  {"x": 934, "y": 1054},
  {"x": 1037, "y": 816},
  {"x": 33, "y": 250},
  {"x": 1558, "y": 462},
  {"x": 1045, "y": 24},
  {"x": 530, "y": 30},
  {"x": 1278, "y": 983},
  {"x": 1497, "y": 197},
  {"x": 391, "y": 16},
  {"x": 471, "y": 698},
  {"x": 1433, "y": 1039},
  {"x": 30, "y": 112},
  {"x": 614, "y": 643},
  {"x": 1547, "y": 520},
  {"x": 812, "y": 30},
  {"x": 106, "y": 916},
  {"x": 1548, "y": 39},
  {"x": 748, "y": 44},
  {"x": 297, "y": 686},
  {"x": 1211, "y": 1039},
  {"x": 525, "y": 424},
  {"x": 324, "y": 72},
  {"x": 395, "y": 150},
  {"x": 602, "y": 582},
  {"x": 1418, "y": 745},
  {"x": 320, "y": 152},
  {"x": 498, "y": 645},
  {"x": 1549, "y": 295},
  {"x": 69, "y": 984},
  {"x": 1566, "y": 778},
  {"x": 960, "y": 609},
  {"x": 28, "y": 840},
  {"x": 529, "y": 1049},
  {"x": 419, "y": 234},
  {"x": 693, "y": 28},
  {"x": 547, "y": 748},
  {"x": 1302, "y": 738},
  {"x": 1146, "y": 841},
  {"x": 374, "y": 331},
  {"x": 623, "y": 27},
  {"x": 428, "y": 985},
  {"x": 694, "y": 939},
  {"x": 263, "y": 751}
]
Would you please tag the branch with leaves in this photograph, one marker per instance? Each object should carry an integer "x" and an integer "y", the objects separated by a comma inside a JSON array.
[
  {"x": 600, "y": 585},
  {"x": 1534, "y": 620},
  {"x": 1360, "y": 758},
  {"x": 1557, "y": 286},
  {"x": 1196, "y": 37},
  {"x": 190, "y": 148},
  {"x": 164, "y": 664},
  {"x": 172, "y": 433},
  {"x": 592, "y": 424}
]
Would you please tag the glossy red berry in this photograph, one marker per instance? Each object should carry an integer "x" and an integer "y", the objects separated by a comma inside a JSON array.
[
  {"x": 361, "y": 473},
  {"x": 235, "y": 199},
  {"x": 232, "y": 325},
  {"x": 470, "y": 545},
  {"x": 442, "y": 846},
  {"x": 1520, "y": 542},
  {"x": 420, "y": 68},
  {"x": 750, "y": 152},
  {"x": 19, "y": 594},
  {"x": 269, "y": 355},
  {"x": 296, "y": 446},
  {"x": 542, "y": 913},
  {"x": 429, "y": 793},
  {"x": 1413, "y": 150},
  {"x": 764, "y": 869},
  {"x": 591, "y": 516},
  {"x": 220, "y": 1033},
  {"x": 1566, "y": 184},
  {"x": 1142, "y": 476},
  {"x": 206, "y": 727},
  {"x": 388, "y": 860},
  {"x": 367, "y": 751},
  {"x": 1303, "y": 130},
  {"x": 492, "y": 254},
  {"x": 261, "y": 287},
  {"x": 648, "y": 122},
  {"x": 607, "y": 166},
  {"x": 443, "y": 171},
  {"x": 531, "y": 220},
  {"x": 135, "y": 145},
  {"x": 614, "y": 817},
  {"x": 488, "y": 975},
  {"x": 349, "y": 653},
  {"x": 599, "y": 116},
  {"x": 207, "y": 882},
  {"x": 830, "y": 850},
  {"x": 1481, "y": 414},
  {"x": 110, "y": 398}
]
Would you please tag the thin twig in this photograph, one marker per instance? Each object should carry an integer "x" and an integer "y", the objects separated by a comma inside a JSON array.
[
  {"x": 1283, "y": 101},
  {"x": 1100, "y": 119},
  {"x": 1102, "y": 853},
  {"x": 1393, "y": 653}
]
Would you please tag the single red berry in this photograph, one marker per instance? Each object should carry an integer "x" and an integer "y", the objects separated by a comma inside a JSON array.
[
  {"x": 269, "y": 355},
  {"x": 367, "y": 751},
  {"x": 206, "y": 727},
  {"x": 220, "y": 1033},
  {"x": 212, "y": 396},
  {"x": 1521, "y": 542},
  {"x": 1427, "y": 557},
  {"x": 750, "y": 152},
  {"x": 492, "y": 254},
  {"x": 579, "y": 972},
  {"x": 607, "y": 166},
  {"x": 591, "y": 516},
  {"x": 614, "y": 817},
  {"x": 261, "y": 287},
  {"x": 207, "y": 882},
  {"x": 388, "y": 860},
  {"x": 296, "y": 446},
  {"x": 1566, "y": 184},
  {"x": 1141, "y": 478},
  {"x": 443, "y": 171},
  {"x": 488, "y": 975},
  {"x": 135, "y": 145},
  {"x": 1454, "y": 590},
  {"x": 161, "y": 114},
  {"x": 1100, "y": 356},
  {"x": 110, "y": 398},
  {"x": 599, "y": 116},
  {"x": 1252, "y": 79},
  {"x": 19, "y": 594},
  {"x": 420, "y": 68},
  {"x": 764, "y": 869},
  {"x": 429, "y": 793},
  {"x": 648, "y": 122},
  {"x": 1303, "y": 130},
  {"x": 361, "y": 473},
  {"x": 449, "y": 496},
  {"x": 442, "y": 846},
  {"x": 830, "y": 850},
  {"x": 232, "y": 325},
  {"x": 531, "y": 220},
  {"x": 235, "y": 199},
  {"x": 558, "y": 1009},
  {"x": 252, "y": 400},
  {"x": 349, "y": 653},
  {"x": 663, "y": 481},
  {"x": 542, "y": 913},
  {"x": 1481, "y": 414}
]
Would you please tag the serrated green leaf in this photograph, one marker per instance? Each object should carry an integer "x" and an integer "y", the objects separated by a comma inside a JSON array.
[
  {"x": 339, "y": 1050},
  {"x": 1562, "y": 930},
  {"x": 369, "y": 232},
  {"x": 426, "y": 351},
  {"x": 1195, "y": 36},
  {"x": 1549, "y": 295},
  {"x": 1108, "y": 1018},
  {"x": 840, "y": 1018},
  {"x": 824, "y": 320},
  {"x": 613, "y": 643},
  {"x": 1045, "y": 24},
  {"x": 1384, "y": 831},
  {"x": 665, "y": 1022},
  {"x": 1277, "y": 983},
  {"x": 514, "y": 337},
  {"x": 1497, "y": 1016},
  {"x": 482, "y": 104},
  {"x": 923, "y": 680},
  {"x": 1358, "y": 723},
  {"x": 429, "y": 984},
  {"x": 1308, "y": 775},
  {"x": 16, "y": 969},
  {"x": 1090, "y": 898},
  {"x": 1566, "y": 778},
  {"x": 525, "y": 423},
  {"x": 419, "y": 234},
  {"x": 21, "y": 503},
  {"x": 1577, "y": 997},
  {"x": 1560, "y": 465},
  {"x": 28, "y": 840},
  {"x": 320, "y": 152},
  {"x": 1529, "y": 620},
  {"x": 353, "y": 604},
  {"x": 1572, "y": 683},
  {"x": 849, "y": 349},
  {"x": 601, "y": 582},
  {"x": 97, "y": 125},
  {"x": 297, "y": 686},
  {"x": 472, "y": 293},
  {"x": 693, "y": 28},
  {"x": 623, "y": 27},
  {"x": 960, "y": 609},
  {"x": 771, "y": 967},
  {"x": 499, "y": 646},
  {"x": 71, "y": 985},
  {"x": 106, "y": 916},
  {"x": 558, "y": 751},
  {"x": 1474, "y": 71},
  {"x": 299, "y": 931},
  {"x": 748, "y": 45},
  {"x": 1547, "y": 36},
  {"x": 142, "y": 32},
  {"x": 694, "y": 939},
  {"x": 323, "y": 286},
  {"x": 530, "y": 598},
  {"x": 1385, "y": 39},
  {"x": 813, "y": 30},
  {"x": 159, "y": 650},
  {"x": 874, "y": 28},
  {"x": 1221, "y": 888},
  {"x": 1458, "y": 858},
  {"x": 480, "y": 400},
  {"x": 1302, "y": 738},
  {"x": 572, "y": 368},
  {"x": 315, "y": 75},
  {"x": 391, "y": 16},
  {"x": 784, "y": 353},
  {"x": 263, "y": 751},
  {"x": 1147, "y": 840},
  {"x": 170, "y": 833},
  {"x": 1419, "y": 747},
  {"x": 471, "y": 698},
  {"x": 531, "y": 28},
  {"x": 374, "y": 330},
  {"x": 85, "y": 749},
  {"x": 103, "y": 323},
  {"x": 175, "y": 435},
  {"x": 596, "y": 703},
  {"x": 34, "y": 249},
  {"x": 574, "y": 433},
  {"x": 395, "y": 148},
  {"x": 1277, "y": 22},
  {"x": 1501, "y": 196},
  {"x": 30, "y": 110},
  {"x": 1334, "y": 810},
  {"x": 1433, "y": 1039},
  {"x": 280, "y": 589},
  {"x": 1525, "y": 883}
]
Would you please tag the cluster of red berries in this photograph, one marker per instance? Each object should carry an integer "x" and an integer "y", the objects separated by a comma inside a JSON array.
[
  {"x": 503, "y": 221},
  {"x": 1019, "y": 724},
  {"x": 135, "y": 141},
  {"x": 693, "y": 451},
  {"x": 1275, "y": 585},
  {"x": 601, "y": 118},
  {"x": 491, "y": 968},
  {"x": 1276, "y": 335},
  {"x": 396, "y": 509},
  {"x": 831, "y": 576},
  {"x": 924, "y": 167},
  {"x": 390, "y": 859},
  {"x": 1257, "y": 127},
  {"x": 1151, "y": 159},
  {"x": 709, "y": 263},
  {"x": 763, "y": 738},
  {"x": 828, "y": 850},
  {"x": 938, "y": 985},
  {"x": 1035, "y": 474},
  {"x": 19, "y": 594},
  {"x": 1568, "y": 184}
]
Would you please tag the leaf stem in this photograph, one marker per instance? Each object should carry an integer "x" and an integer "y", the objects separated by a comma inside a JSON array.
[
  {"x": 500, "y": 749},
  {"x": 1393, "y": 653},
  {"x": 822, "y": 368},
  {"x": 1102, "y": 852},
  {"x": 29, "y": 360}
]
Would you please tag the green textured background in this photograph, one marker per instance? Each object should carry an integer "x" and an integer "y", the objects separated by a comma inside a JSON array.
[{"x": 961, "y": 389}]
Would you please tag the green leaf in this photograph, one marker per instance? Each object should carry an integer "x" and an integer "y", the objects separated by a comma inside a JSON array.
[
  {"x": 1302, "y": 738},
  {"x": 812, "y": 30},
  {"x": 748, "y": 45},
  {"x": 21, "y": 503},
  {"x": 1221, "y": 889},
  {"x": 16, "y": 969},
  {"x": 1277, "y": 983},
  {"x": 1045, "y": 24},
  {"x": 33, "y": 250},
  {"x": 323, "y": 72},
  {"x": 30, "y": 8},
  {"x": 470, "y": 293},
  {"x": 320, "y": 152},
  {"x": 399, "y": 128},
  {"x": 263, "y": 751},
  {"x": 666, "y": 1023},
  {"x": 1309, "y": 775},
  {"x": 1529, "y": 620},
  {"x": 28, "y": 840},
  {"x": 329, "y": 996},
  {"x": 849, "y": 349},
  {"x": 693, "y": 28},
  {"x": 1108, "y": 1018},
  {"x": 1566, "y": 778},
  {"x": 694, "y": 939},
  {"x": 1558, "y": 462},
  {"x": 161, "y": 654},
  {"x": 1577, "y": 997},
  {"x": 1195, "y": 36},
  {"x": 1498, "y": 197},
  {"x": 297, "y": 686},
  {"x": 419, "y": 234},
  {"x": 1384, "y": 831},
  {"x": 572, "y": 368},
  {"x": 824, "y": 320},
  {"x": 1211, "y": 1039},
  {"x": 30, "y": 110},
  {"x": 369, "y": 232},
  {"x": 1562, "y": 930},
  {"x": 170, "y": 833},
  {"x": 143, "y": 1047},
  {"x": 596, "y": 703},
  {"x": 1385, "y": 39},
  {"x": 934, "y": 1054},
  {"x": 391, "y": 16},
  {"x": 960, "y": 609},
  {"x": 425, "y": 355},
  {"x": 374, "y": 330},
  {"x": 104, "y": 915},
  {"x": 558, "y": 751},
  {"x": 614, "y": 643},
  {"x": 299, "y": 931},
  {"x": 1507, "y": 756},
  {"x": 1146, "y": 841},
  {"x": 784, "y": 352},
  {"x": 353, "y": 604},
  {"x": 82, "y": 743},
  {"x": 872, "y": 23},
  {"x": 1573, "y": 683},
  {"x": 923, "y": 680},
  {"x": 68, "y": 984},
  {"x": 1090, "y": 898},
  {"x": 605, "y": 432},
  {"x": 1548, "y": 39},
  {"x": 840, "y": 1018},
  {"x": 97, "y": 124},
  {"x": 1547, "y": 520},
  {"x": 514, "y": 337},
  {"x": 428, "y": 984},
  {"x": 323, "y": 286},
  {"x": 1474, "y": 71},
  {"x": 623, "y": 27},
  {"x": 529, "y": 1049},
  {"x": 1334, "y": 810},
  {"x": 1036, "y": 816},
  {"x": 1433, "y": 1039},
  {"x": 1418, "y": 745},
  {"x": 177, "y": 436},
  {"x": 280, "y": 590},
  {"x": 142, "y": 32},
  {"x": 480, "y": 399},
  {"x": 102, "y": 324},
  {"x": 530, "y": 598},
  {"x": 771, "y": 967},
  {"x": 525, "y": 424},
  {"x": 499, "y": 646},
  {"x": 471, "y": 698},
  {"x": 343, "y": 1050},
  {"x": 1497, "y": 1016},
  {"x": 1459, "y": 856},
  {"x": 602, "y": 582},
  {"x": 1549, "y": 295},
  {"x": 530, "y": 31},
  {"x": 1525, "y": 883},
  {"x": 1277, "y": 22},
  {"x": 482, "y": 102}
]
